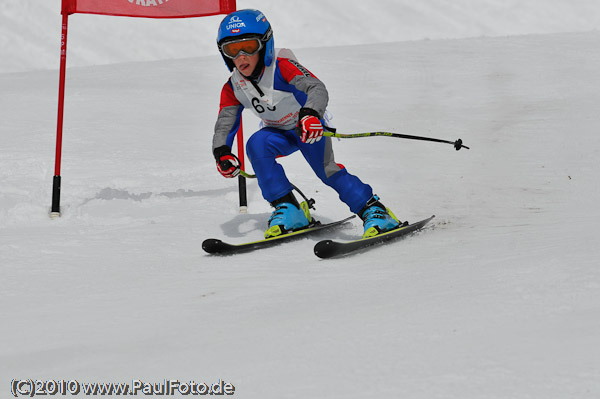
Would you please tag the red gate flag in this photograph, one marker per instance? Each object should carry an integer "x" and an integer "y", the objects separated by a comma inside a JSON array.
[
  {"x": 125, "y": 8},
  {"x": 149, "y": 8}
]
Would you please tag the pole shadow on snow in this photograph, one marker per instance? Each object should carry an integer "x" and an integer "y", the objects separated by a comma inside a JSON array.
[{"x": 109, "y": 194}]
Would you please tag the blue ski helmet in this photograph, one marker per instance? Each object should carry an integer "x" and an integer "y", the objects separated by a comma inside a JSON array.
[{"x": 244, "y": 24}]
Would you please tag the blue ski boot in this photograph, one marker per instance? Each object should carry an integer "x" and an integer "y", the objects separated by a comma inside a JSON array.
[
  {"x": 287, "y": 216},
  {"x": 377, "y": 218}
]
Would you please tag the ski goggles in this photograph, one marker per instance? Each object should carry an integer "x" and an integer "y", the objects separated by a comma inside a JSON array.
[{"x": 235, "y": 48}]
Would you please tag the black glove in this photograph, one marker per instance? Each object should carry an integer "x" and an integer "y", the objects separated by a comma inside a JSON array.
[{"x": 227, "y": 164}]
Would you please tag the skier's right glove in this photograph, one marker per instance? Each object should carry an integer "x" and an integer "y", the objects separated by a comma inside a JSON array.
[{"x": 227, "y": 164}]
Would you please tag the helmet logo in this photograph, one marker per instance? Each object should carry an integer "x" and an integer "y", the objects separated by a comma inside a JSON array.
[{"x": 234, "y": 25}]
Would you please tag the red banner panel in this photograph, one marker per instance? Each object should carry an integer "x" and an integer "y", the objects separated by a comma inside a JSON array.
[{"x": 149, "y": 8}]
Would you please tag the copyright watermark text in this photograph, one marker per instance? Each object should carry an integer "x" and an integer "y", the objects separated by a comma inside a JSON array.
[{"x": 31, "y": 388}]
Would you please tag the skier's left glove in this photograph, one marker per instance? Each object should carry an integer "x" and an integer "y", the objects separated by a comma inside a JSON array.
[
  {"x": 309, "y": 128},
  {"x": 227, "y": 164}
]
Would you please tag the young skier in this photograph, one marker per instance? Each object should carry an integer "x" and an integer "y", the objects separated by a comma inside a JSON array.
[{"x": 291, "y": 102}]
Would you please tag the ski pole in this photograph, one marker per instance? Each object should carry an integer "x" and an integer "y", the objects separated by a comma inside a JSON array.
[
  {"x": 458, "y": 144},
  {"x": 247, "y": 175}
]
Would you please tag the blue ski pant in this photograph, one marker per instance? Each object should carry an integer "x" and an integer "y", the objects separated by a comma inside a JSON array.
[{"x": 264, "y": 146}]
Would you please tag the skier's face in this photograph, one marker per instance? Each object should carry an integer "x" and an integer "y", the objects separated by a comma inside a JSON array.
[{"x": 246, "y": 63}]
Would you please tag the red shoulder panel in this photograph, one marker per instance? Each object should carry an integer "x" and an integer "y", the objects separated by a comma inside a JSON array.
[
  {"x": 227, "y": 97},
  {"x": 291, "y": 68}
]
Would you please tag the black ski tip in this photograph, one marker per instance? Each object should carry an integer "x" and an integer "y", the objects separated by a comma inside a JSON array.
[
  {"x": 211, "y": 245},
  {"x": 329, "y": 249},
  {"x": 325, "y": 249}
]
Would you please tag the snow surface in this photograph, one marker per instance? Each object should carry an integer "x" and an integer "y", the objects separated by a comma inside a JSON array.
[{"x": 499, "y": 298}]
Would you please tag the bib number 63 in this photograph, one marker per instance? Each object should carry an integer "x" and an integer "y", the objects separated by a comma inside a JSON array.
[{"x": 259, "y": 108}]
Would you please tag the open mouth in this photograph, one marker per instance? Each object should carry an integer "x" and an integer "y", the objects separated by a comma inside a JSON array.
[{"x": 243, "y": 67}]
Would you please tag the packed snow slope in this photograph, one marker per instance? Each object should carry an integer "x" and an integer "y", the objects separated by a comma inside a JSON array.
[
  {"x": 30, "y": 29},
  {"x": 499, "y": 298}
]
